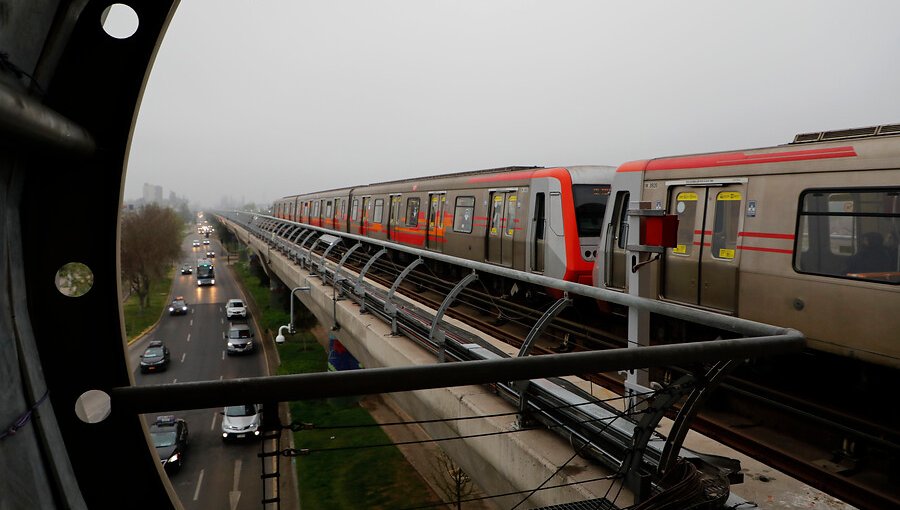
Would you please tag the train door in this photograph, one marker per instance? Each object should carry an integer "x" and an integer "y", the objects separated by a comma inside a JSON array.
[
  {"x": 616, "y": 240},
  {"x": 540, "y": 228},
  {"x": 501, "y": 227},
  {"x": 394, "y": 216},
  {"x": 364, "y": 219},
  {"x": 702, "y": 269},
  {"x": 435, "y": 235}
]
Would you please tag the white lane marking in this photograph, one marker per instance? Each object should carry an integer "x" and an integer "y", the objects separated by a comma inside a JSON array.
[
  {"x": 199, "y": 483},
  {"x": 235, "y": 495},
  {"x": 183, "y": 355},
  {"x": 221, "y": 377},
  {"x": 191, "y": 324},
  {"x": 223, "y": 355},
  {"x": 223, "y": 335},
  {"x": 237, "y": 473},
  {"x": 189, "y": 337},
  {"x": 174, "y": 380},
  {"x": 221, "y": 321},
  {"x": 212, "y": 426}
]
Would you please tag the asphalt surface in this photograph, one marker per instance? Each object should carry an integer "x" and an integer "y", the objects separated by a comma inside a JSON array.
[{"x": 215, "y": 474}]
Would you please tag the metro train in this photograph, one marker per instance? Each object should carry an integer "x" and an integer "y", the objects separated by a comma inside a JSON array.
[
  {"x": 542, "y": 220},
  {"x": 802, "y": 235}
]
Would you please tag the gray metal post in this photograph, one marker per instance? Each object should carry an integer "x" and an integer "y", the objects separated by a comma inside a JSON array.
[
  {"x": 439, "y": 337},
  {"x": 389, "y": 307},
  {"x": 358, "y": 289},
  {"x": 321, "y": 268},
  {"x": 340, "y": 267}
]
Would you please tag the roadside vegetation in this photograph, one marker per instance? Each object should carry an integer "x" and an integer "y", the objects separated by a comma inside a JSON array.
[
  {"x": 359, "y": 476},
  {"x": 138, "y": 319},
  {"x": 151, "y": 243}
]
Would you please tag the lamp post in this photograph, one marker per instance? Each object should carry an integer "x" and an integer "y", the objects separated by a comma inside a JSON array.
[{"x": 289, "y": 327}]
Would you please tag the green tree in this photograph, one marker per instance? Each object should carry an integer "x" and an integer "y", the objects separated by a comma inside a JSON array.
[{"x": 150, "y": 243}]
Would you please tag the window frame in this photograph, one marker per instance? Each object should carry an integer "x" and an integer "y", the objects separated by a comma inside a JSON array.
[
  {"x": 801, "y": 215},
  {"x": 457, "y": 215}
]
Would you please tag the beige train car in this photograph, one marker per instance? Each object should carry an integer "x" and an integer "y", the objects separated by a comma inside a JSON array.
[{"x": 803, "y": 235}]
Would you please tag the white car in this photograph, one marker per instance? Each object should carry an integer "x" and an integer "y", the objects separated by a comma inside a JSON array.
[
  {"x": 196, "y": 242},
  {"x": 241, "y": 422},
  {"x": 235, "y": 309}
]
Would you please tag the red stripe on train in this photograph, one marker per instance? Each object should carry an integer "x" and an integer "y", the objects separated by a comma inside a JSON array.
[{"x": 736, "y": 158}]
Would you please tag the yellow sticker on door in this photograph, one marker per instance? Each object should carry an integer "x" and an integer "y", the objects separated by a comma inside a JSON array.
[
  {"x": 681, "y": 248},
  {"x": 726, "y": 254}
]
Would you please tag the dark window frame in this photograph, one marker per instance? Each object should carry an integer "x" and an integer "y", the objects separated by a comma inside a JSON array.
[
  {"x": 802, "y": 214},
  {"x": 460, "y": 227}
]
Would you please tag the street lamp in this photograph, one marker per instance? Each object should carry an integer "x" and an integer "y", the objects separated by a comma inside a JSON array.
[{"x": 290, "y": 327}]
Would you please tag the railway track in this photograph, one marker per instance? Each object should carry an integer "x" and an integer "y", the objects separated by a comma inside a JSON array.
[
  {"x": 750, "y": 417},
  {"x": 808, "y": 455}
]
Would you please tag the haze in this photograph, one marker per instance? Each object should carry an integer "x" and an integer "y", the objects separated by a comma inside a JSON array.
[{"x": 257, "y": 100}]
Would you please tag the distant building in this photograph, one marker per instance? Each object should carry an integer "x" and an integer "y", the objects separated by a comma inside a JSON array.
[{"x": 152, "y": 194}]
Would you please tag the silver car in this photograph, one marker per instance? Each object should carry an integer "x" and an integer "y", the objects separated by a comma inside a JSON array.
[{"x": 242, "y": 422}]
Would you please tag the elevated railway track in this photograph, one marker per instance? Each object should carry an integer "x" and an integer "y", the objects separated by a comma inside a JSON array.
[{"x": 743, "y": 414}]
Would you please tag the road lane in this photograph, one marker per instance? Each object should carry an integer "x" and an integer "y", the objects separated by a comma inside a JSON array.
[{"x": 215, "y": 474}]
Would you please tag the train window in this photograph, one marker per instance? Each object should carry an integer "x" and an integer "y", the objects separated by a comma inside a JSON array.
[
  {"x": 510, "y": 216},
  {"x": 328, "y": 209},
  {"x": 496, "y": 211},
  {"x": 725, "y": 228},
  {"x": 540, "y": 218},
  {"x": 412, "y": 212},
  {"x": 850, "y": 233},
  {"x": 686, "y": 209},
  {"x": 354, "y": 211},
  {"x": 316, "y": 208},
  {"x": 590, "y": 206},
  {"x": 463, "y": 213},
  {"x": 379, "y": 210}
]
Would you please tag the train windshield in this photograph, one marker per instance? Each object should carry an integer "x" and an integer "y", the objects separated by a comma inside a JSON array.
[{"x": 590, "y": 206}]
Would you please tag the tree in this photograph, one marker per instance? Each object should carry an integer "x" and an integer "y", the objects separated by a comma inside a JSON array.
[
  {"x": 151, "y": 242},
  {"x": 453, "y": 483}
]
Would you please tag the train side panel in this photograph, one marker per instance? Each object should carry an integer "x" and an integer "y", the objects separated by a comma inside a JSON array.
[{"x": 802, "y": 237}]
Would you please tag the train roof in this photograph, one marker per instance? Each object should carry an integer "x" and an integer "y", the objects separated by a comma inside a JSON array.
[{"x": 872, "y": 148}]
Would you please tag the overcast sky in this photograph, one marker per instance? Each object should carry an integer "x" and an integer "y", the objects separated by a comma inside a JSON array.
[{"x": 260, "y": 99}]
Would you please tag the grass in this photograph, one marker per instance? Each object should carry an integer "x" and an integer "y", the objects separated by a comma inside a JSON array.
[
  {"x": 136, "y": 320},
  {"x": 367, "y": 477}
]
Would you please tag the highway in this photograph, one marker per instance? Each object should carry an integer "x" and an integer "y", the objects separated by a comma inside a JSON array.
[{"x": 215, "y": 474}]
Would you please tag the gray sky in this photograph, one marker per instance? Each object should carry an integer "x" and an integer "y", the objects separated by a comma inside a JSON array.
[{"x": 266, "y": 98}]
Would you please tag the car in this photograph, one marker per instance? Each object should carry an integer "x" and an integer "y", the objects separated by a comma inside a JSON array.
[
  {"x": 178, "y": 306},
  {"x": 210, "y": 254},
  {"x": 235, "y": 308},
  {"x": 196, "y": 243},
  {"x": 170, "y": 438},
  {"x": 239, "y": 339},
  {"x": 187, "y": 269},
  {"x": 206, "y": 241},
  {"x": 155, "y": 358},
  {"x": 242, "y": 422}
]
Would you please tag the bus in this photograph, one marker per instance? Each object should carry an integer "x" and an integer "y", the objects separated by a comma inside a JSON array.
[{"x": 205, "y": 274}]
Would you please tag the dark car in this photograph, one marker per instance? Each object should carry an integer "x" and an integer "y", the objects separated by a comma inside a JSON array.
[
  {"x": 170, "y": 437},
  {"x": 187, "y": 269},
  {"x": 155, "y": 357},
  {"x": 178, "y": 306},
  {"x": 210, "y": 254}
]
